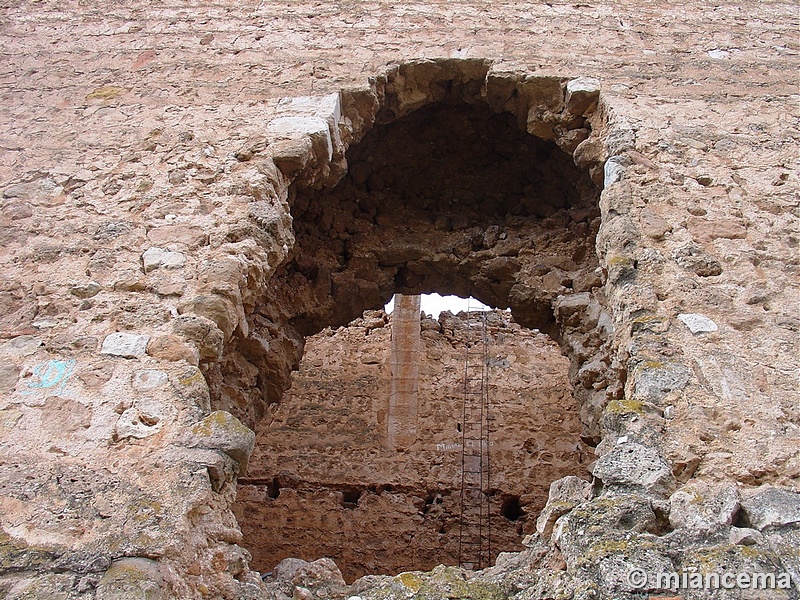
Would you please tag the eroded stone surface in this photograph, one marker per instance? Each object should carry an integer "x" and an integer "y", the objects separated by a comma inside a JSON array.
[
  {"x": 630, "y": 464},
  {"x": 127, "y": 345},
  {"x": 140, "y": 128},
  {"x": 772, "y": 507}
]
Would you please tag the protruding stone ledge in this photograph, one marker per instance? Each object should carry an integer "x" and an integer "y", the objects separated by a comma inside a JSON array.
[{"x": 222, "y": 431}]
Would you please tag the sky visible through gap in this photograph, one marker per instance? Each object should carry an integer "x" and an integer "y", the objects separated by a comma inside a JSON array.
[{"x": 433, "y": 304}]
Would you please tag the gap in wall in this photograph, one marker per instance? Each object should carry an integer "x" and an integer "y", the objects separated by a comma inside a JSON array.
[
  {"x": 454, "y": 198},
  {"x": 342, "y": 492}
]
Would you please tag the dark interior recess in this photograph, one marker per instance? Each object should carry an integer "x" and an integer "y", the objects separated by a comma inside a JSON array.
[{"x": 511, "y": 509}]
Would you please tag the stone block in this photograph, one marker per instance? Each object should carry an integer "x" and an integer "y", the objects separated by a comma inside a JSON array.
[
  {"x": 294, "y": 128},
  {"x": 565, "y": 494},
  {"x": 702, "y": 508},
  {"x": 8, "y": 419},
  {"x": 131, "y": 579},
  {"x": 222, "y": 431},
  {"x": 707, "y": 230},
  {"x": 582, "y": 95},
  {"x": 590, "y": 153},
  {"x": 173, "y": 348},
  {"x": 744, "y": 536},
  {"x": 617, "y": 521},
  {"x": 136, "y": 423},
  {"x": 187, "y": 235},
  {"x": 697, "y": 323},
  {"x": 742, "y": 561},
  {"x": 693, "y": 258},
  {"x": 632, "y": 465},
  {"x": 20, "y": 346},
  {"x": 328, "y": 108},
  {"x": 15, "y": 211},
  {"x": 772, "y": 507},
  {"x": 71, "y": 345},
  {"x": 215, "y": 308},
  {"x": 203, "y": 332},
  {"x": 654, "y": 225},
  {"x": 292, "y": 156},
  {"x": 654, "y": 380},
  {"x": 155, "y": 258},
  {"x": 148, "y": 379},
  {"x": 9, "y": 375},
  {"x": 614, "y": 169},
  {"x": 87, "y": 290},
  {"x": 570, "y": 139},
  {"x": 288, "y": 568},
  {"x": 127, "y": 345},
  {"x": 615, "y": 570},
  {"x": 784, "y": 542},
  {"x": 323, "y": 577},
  {"x": 65, "y": 417}
]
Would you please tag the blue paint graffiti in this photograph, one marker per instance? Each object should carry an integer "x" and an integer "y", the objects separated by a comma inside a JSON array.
[{"x": 52, "y": 374}]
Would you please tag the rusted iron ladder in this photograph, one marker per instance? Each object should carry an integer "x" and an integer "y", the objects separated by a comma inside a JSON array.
[{"x": 475, "y": 533}]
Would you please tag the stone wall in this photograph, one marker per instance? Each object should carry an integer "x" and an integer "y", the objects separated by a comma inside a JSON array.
[
  {"x": 149, "y": 172},
  {"x": 326, "y": 481}
]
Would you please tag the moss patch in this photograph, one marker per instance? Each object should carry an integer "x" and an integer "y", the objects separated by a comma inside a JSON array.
[
  {"x": 616, "y": 547},
  {"x": 411, "y": 580},
  {"x": 193, "y": 377},
  {"x": 107, "y": 92},
  {"x": 16, "y": 555},
  {"x": 217, "y": 421},
  {"x": 710, "y": 560},
  {"x": 625, "y": 406},
  {"x": 652, "y": 364},
  {"x": 620, "y": 261}
]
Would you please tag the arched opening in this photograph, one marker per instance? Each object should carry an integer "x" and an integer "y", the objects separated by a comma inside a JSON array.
[{"x": 462, "y": 193}]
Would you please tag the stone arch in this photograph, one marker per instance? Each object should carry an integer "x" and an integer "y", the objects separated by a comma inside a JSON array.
[{"x": 442, "y": 175}]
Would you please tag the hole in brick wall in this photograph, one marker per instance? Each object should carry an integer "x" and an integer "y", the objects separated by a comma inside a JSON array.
[
  {"x": 350, "y": 497},
  {"x": 451, "y": 198},
  {"x": 273, "y": 488},
  {"x": 511, "y": 509}
]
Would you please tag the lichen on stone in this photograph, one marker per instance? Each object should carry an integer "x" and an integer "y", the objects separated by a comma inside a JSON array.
[{"x": 624, "y": 406}]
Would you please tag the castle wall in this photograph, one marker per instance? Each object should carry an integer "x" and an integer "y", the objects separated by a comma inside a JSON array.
[{"x": 146, "y": 166}]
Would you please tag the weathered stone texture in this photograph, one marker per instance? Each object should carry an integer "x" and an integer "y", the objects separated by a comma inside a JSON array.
[
  {"x": 131, "y": 126},
  {"x": 326, "y": 479}
]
